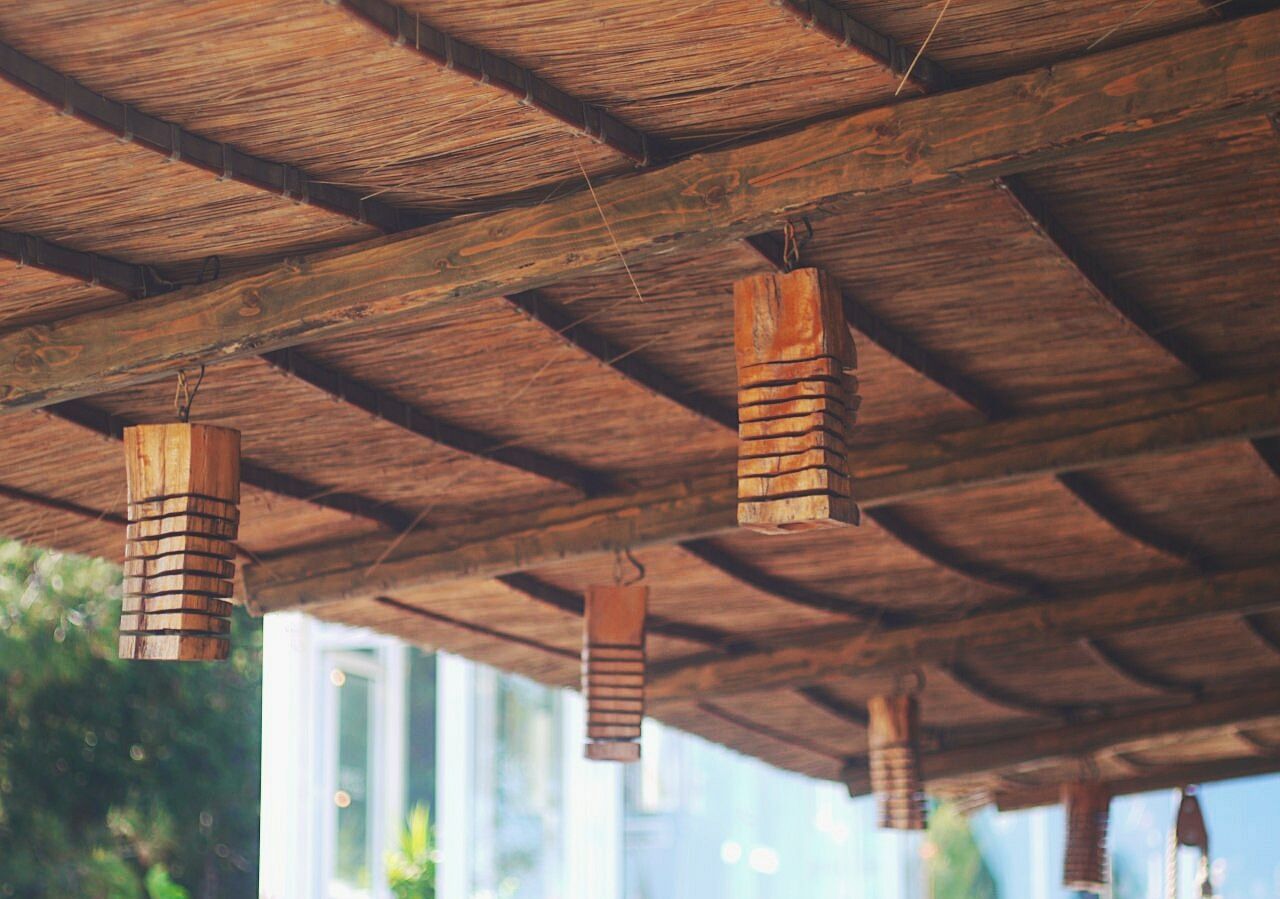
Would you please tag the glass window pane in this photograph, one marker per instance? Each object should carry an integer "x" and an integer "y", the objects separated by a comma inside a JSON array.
[{"x": 352, "y": 862}]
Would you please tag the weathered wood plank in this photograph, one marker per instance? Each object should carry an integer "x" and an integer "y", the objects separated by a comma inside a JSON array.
[
  {"x": 1131, "y": 731},
  {"x": 814, "y": 657},
  {"x": 1007, "y": 450},
  {"x": 1224, "y": 72}
]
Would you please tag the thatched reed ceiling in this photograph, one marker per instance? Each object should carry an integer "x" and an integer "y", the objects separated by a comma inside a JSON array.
[{"x": 1128, "y": 272}]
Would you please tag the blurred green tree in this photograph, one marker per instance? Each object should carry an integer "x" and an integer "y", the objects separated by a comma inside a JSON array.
[
  {"x": 119, "y": 779},
  {"x": 957, "y": 869}
]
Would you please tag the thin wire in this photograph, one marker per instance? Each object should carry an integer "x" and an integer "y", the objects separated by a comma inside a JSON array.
[
  {"x": 1133, "y": 15},
  {"x": 919, "y": 53},
  {"x": 616, "y": 246},
  {"x": 183, "y": 398}
]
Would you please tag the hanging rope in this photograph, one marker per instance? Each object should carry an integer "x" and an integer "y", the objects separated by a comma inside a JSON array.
[
  {"x": 791, "y": 245},
  {"x": 184, "y": 395},
  {"x": 618, "y": 569}
]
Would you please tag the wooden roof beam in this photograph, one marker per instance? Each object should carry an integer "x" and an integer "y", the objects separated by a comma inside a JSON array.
[
  {"x": 863, "y": 322},
  {"x": 813, "y": 657},
  {"x": 1009, "y": 753},
  {"x": 1225, "y": 72},
  {"x": 61, "y": 505},
  {"x": 479, "y": 629},
  {"x": 110, "y": 426},
  {"x": 1165, "y": 777},
  {"x": 141, "y": 280},
  {"x": 1031, "y": 446},
  {"x": 1114, "y": 660},
  {"x": 131, "y": 125},
  {"x": 1004, "y": 698},
  {"x": 406, "y": 29},
  {"x": 575, "y": 333},
  {"x": 839, "y": 26},
  {"x": 415, "y": 421},
  {"x": 1036, "y": 212}
]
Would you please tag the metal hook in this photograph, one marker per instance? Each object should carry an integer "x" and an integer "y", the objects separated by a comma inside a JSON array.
[
  {"x": 617, "y": 568},
  {"x": 183, "y": 398}
]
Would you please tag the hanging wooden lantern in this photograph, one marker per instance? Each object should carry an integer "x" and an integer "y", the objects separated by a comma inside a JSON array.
[
  {"x": 1084, "y": 866},
  {"x": 184, "y": 491},
  {"x": 613, "y": 671},
  {"x": 797, "y": 401},
  {"x": 893, "y": 738}
]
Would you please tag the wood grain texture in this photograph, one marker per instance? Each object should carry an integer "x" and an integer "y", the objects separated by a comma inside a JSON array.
[
  {"x": 893, "y": 751},
  {"x": 814, "y": 657},
  {"x": 613, "y": 670},
  {"x": 1084, "y": 865},
  {"x": 1225, "y": 72},
  {"x": 1019, "y": 448}
]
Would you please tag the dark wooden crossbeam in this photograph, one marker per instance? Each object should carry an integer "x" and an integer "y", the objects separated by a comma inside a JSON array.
[
  {"x": 140, "y": 280},
  {"x": 133, "y": 280},
  {"x": 813, "y": 657},
  {"x": 1011, "y": 754},
  {"x": 385, "y": 407},
  {"x": 841, "y": 27},
  {"x": 61, "y": 505},
  {"x": 1225, "y": 72},
  {"x": 1107, "y": 656},
  {"x": 787, "y": 591},
  {"x": 408, "y": 30},
  {"x": 107, "y": 425},
  {"x": 863, "y": 322},
  {"x": 1003, "y": 697},
  {"x": 1164, "y": 777},
  {"x": 1032, "y": 446},
  {"x": 577, "y": 334},
  {"x": 1102, "y": 287},
  {"x": 570, "y": 601},
  {"x": 479, "y": 629},
  {"x": 171, "y": 140},
  {"x": 1260, "y": 632}
]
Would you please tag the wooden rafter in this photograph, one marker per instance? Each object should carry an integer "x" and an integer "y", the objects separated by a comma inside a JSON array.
[
  {"x": 407, "y": 29},
  {"x": 61, "y": 505},
  {"x": 1225, "y": 72},
  {"x": 90, "y": 268},
  {"x": 408, "y": 417},
  {"x": 1007, "y": 754},
  {"x": 895, "y": 524},
  {"x": 1036, "y": 212},
  {"x": 841, "y": 27},
  {"x": 176, "y": 143},
  {"x": 141, "y": 280},
  {"x": 1003, "y": 697},
  {"x": 1114, "y": 660},
  {"x": 539, "y": 590},
  {"x": 575, "y": 333},
  {"x": 106, "y": 424},
  {"x": 1162, "y": 777},
  {"x": 1259, "y": 631},
  {"x": 813, "y": 657},
  {"x": 862, "y": 321},
  {"x": 1027, "y": 447},
  {"x": 759, "y": 728},
  {"x": 748, "y": 575},
  {"x": 1088, "y": 491},
  {"x": 1256, "y": 744},
  {"x": 492, "y": 633}
]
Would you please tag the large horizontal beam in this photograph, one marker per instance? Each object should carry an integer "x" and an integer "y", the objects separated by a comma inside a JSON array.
[
  {"x": 1017, "y": 448},
  {"x": 1224, "y": 72},
  {"x": 1133, "y": 732},
  {"x": 1065, "y": 619},
  {"x": 1168, "y": 777}
]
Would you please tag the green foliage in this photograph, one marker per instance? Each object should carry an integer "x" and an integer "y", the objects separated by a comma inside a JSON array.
[
  {"x": 160, "y": 886},
  {"x": 957, "y": 869},
  {"x": 411, "y": 872},
  {"x": 110, "y": 768}
]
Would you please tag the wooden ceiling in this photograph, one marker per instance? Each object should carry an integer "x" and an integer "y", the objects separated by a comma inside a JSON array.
[{"x": 397, "y": 237}]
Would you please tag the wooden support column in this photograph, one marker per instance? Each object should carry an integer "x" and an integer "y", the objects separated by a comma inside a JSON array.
[
  {"x": 184, "y": 495},
  {"x": 797, "y": 401},
  {"x": 893, "y": 738},
  {"x": 613, "y": 671},
  {"x": 1084, "y": 866}
]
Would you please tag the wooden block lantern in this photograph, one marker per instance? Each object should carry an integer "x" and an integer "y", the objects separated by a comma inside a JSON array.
[
  {"x": 613, "y": 671},
  {"x": 893, "y": 738},
  {"x": 1084, "y": 866},
  {"x": 797, "y": 401},
  {"x": 184, "y": 492}
]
